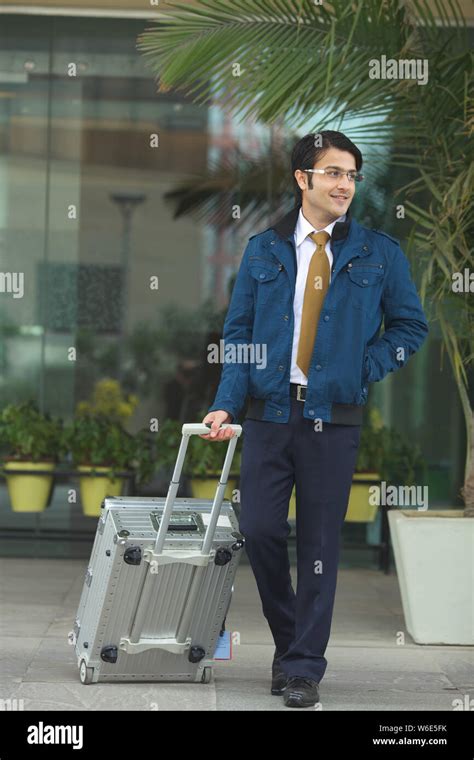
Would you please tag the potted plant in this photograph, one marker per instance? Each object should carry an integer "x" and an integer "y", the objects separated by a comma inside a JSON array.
[
  {"x": 34, "y": 442},
  {"x": 367, "y": 470},
  {"x": 109, "y": 400},
  {"x": 98, "y": 443},
  {"x": 433, "y": 551}
]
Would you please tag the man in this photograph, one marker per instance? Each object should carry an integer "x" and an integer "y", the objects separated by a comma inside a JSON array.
[{"x": 313, "y": 290}]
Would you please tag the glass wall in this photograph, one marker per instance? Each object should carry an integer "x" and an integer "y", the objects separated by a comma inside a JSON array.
[{"x": 88, "y": 150}]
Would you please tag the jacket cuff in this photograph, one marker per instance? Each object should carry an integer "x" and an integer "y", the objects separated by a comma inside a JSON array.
[{"x": 224, "y": 407}]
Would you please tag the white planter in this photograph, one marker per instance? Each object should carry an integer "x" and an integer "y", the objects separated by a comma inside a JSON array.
[{"x": 434, "y": 557}]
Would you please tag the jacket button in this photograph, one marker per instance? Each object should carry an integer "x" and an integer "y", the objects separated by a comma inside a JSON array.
[
  {"x": 311, "y": 412},
  {"x": 364, "y": 248},
  {"x": 318, "y": 367},
  {"x": 262, "y": 276},
  {"x": 278, "y": 411},
  {"x": 281, "y": 367},
  {"x": 326, "y": 318},
  {"x": 272, "y": 243},
  {"x": 286, "y": 316},
  {"x": 366, "y": 282}
]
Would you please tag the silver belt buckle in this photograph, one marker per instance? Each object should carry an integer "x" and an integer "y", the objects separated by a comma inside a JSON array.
[{"x": 298, "y": 392}]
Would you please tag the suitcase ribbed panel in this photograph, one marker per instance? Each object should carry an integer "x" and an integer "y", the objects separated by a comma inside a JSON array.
[
  {"x": 94, "y": 610},
  {"x": 85, "y": 589}
]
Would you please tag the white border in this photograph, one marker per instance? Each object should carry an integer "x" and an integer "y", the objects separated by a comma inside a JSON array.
[{"x": 43, "y": 10}]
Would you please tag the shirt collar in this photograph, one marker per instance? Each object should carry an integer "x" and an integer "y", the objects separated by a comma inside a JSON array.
[{"x": 305, "y": 228}]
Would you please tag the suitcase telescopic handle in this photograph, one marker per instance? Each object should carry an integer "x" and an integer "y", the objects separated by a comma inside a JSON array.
[{"x": 187, "y": 431}]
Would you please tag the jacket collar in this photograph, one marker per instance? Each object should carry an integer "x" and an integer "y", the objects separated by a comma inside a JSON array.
[{"x": 285, "y": 226}]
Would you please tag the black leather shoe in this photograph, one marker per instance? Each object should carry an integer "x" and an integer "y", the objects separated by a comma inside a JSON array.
[
  {"x": 279, "y": 679},
  {"x": 301, "y": 692}
]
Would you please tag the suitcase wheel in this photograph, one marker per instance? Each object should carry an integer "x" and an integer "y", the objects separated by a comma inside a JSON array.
[
  {"x": 85, "y": 673},
  {"x": 206, "y": 675}
]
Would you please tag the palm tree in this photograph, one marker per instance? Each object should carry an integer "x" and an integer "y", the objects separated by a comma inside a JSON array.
[
  {"x": 295, "y": 60},
  {"x": 234, "y": 179}
]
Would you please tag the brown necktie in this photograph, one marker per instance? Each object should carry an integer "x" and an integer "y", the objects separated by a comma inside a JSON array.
[{"x": 317, "y": 283}]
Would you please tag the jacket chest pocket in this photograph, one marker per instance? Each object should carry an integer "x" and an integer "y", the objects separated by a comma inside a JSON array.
[
  {"x": 266, "y": 273},
  {"x": 364, "y": 282}
]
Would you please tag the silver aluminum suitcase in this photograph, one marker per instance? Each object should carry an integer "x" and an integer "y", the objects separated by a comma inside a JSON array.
[{"x": 159, "y": 583}]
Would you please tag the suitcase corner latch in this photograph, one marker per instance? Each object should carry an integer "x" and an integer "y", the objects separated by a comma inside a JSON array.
[
  {"x": 223, "y": 556},
  {"x": 133, "y": 555},
  {"x": 109, "y": 653}
]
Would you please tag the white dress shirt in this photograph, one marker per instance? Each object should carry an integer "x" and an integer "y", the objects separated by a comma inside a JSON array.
[{"x": 304, "y": 251}]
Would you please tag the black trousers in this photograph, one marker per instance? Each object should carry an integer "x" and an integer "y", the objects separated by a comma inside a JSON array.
[{"x": 320, "y": 464}]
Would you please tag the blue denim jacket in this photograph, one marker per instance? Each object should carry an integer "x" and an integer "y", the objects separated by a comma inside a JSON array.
[{"x": 370, "y": 282}]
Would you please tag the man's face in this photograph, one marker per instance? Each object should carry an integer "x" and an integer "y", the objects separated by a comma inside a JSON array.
[{"x": 329, "y": 197}]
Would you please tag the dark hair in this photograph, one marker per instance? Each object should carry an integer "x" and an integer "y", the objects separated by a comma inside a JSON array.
[{"x": 309, "y": 149}]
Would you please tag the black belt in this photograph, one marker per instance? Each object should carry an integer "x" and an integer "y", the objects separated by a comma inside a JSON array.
[
  {"x": 298, "y": 391},
  {"x": 341, "y": 414}
]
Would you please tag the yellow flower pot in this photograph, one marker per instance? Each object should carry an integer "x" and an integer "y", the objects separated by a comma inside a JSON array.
[
  {"x": 292, "y": 509},
  {"x": 359, "y": 508},
  {"x": 28, "y": 493},
  {"x": 94, "y": 490},
  {"x": 205, "y": 488}
]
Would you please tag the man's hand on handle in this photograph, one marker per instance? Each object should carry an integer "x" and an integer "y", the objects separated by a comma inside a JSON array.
[{"x": 218, "y": 418}]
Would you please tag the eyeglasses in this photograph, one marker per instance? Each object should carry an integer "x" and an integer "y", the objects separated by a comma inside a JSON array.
[{"x": 336, "y": 174}]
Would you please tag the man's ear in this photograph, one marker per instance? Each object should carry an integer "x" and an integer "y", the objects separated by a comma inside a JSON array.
[{"x": 302, "y": 177}]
